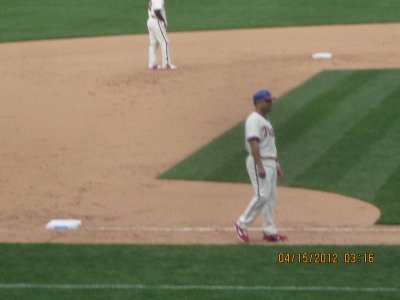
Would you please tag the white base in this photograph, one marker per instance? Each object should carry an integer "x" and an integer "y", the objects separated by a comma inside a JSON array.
[
  {"x": 322, "y": 55},
  {"x": 64, "y": 224}
]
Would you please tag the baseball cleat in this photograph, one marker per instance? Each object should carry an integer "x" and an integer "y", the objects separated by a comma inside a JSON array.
[
  {"x": 242, "y": 233},
  {"x": 170, "y": 67},
  {"x": 275, "y": 237}
]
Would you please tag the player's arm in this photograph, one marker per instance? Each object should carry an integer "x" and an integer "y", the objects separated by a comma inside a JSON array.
[{"x": 255, "y": 152}]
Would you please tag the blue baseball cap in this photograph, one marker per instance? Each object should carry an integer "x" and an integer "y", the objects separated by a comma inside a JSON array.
[{"x": 262, "y": 95}]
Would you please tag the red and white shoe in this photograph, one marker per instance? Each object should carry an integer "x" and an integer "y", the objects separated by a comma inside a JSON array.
[
  {"x": 275, "y": 237},
  {"x": 170, "y": 67},
  {"x": 242, "y": 233}
]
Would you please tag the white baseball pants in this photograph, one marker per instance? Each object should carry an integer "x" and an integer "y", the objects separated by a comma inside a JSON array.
[
  {"x": 158, "y": 36},
  {"x": 265, "y": 195}
]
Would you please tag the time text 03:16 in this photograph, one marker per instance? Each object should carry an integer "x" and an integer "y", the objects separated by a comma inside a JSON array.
[{"x": 325, "y": 258}]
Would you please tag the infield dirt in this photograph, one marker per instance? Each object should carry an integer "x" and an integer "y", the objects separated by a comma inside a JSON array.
[{"x": 85, "y": 129}]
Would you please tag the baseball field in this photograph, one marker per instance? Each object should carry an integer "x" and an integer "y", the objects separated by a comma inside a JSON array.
[{"x": 153, "y": 162}]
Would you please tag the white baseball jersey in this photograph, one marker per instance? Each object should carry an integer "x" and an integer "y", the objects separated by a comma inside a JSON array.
[
  {"x": 156, "y": 5},
  {"x": 259, "y": 127}
]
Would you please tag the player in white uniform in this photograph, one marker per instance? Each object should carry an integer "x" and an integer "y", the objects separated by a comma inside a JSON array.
[
  {"x": 157, "y": 26},
  {"x": 263, "y": 168}
]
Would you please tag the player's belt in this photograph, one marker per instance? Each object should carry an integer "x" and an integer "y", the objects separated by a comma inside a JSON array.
[{"x": 268, "y": 157}]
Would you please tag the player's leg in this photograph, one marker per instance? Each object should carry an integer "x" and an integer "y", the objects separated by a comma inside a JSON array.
[
  {"x": 270, "y": 231},
  {"x": 269, "y": 227},
  {"x": 258, "y": 201},
  {"x": 153, "y": 43},
  {"x": 164, "y": 44}
]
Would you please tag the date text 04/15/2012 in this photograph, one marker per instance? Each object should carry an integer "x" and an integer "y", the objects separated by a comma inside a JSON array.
[{"x": 325, "y": 258}]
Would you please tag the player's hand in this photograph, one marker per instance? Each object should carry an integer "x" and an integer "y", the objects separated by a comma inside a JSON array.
[
  {"x": 261, "y": 172},
  {"x": 279, "y": 171}
]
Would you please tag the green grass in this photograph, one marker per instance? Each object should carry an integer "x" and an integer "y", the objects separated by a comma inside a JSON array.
[
  {"x": 337, "y": 132},
  {"x": 155, "y": 266},
  {"x": 47, "y": 19}
]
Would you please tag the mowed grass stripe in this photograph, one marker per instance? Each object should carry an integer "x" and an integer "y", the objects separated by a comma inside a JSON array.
[
  {"x": 299, "y": 154},
  {"x": 323, "y": 105},
  {"x": 41, "y": 19},
  {"x": 389, "y": 192},
  {"x": 190, "y": 267},
  {"x": 329, "y": 169},
  {"x": 127, "y": 286},
  {"x": 301, "y": 97},
  {"x": 361, "y": 180}
]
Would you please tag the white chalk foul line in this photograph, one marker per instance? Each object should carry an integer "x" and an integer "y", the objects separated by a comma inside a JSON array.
[
  {"x": 230, "y": 229},
  {"x": 199, "y": 287}
]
